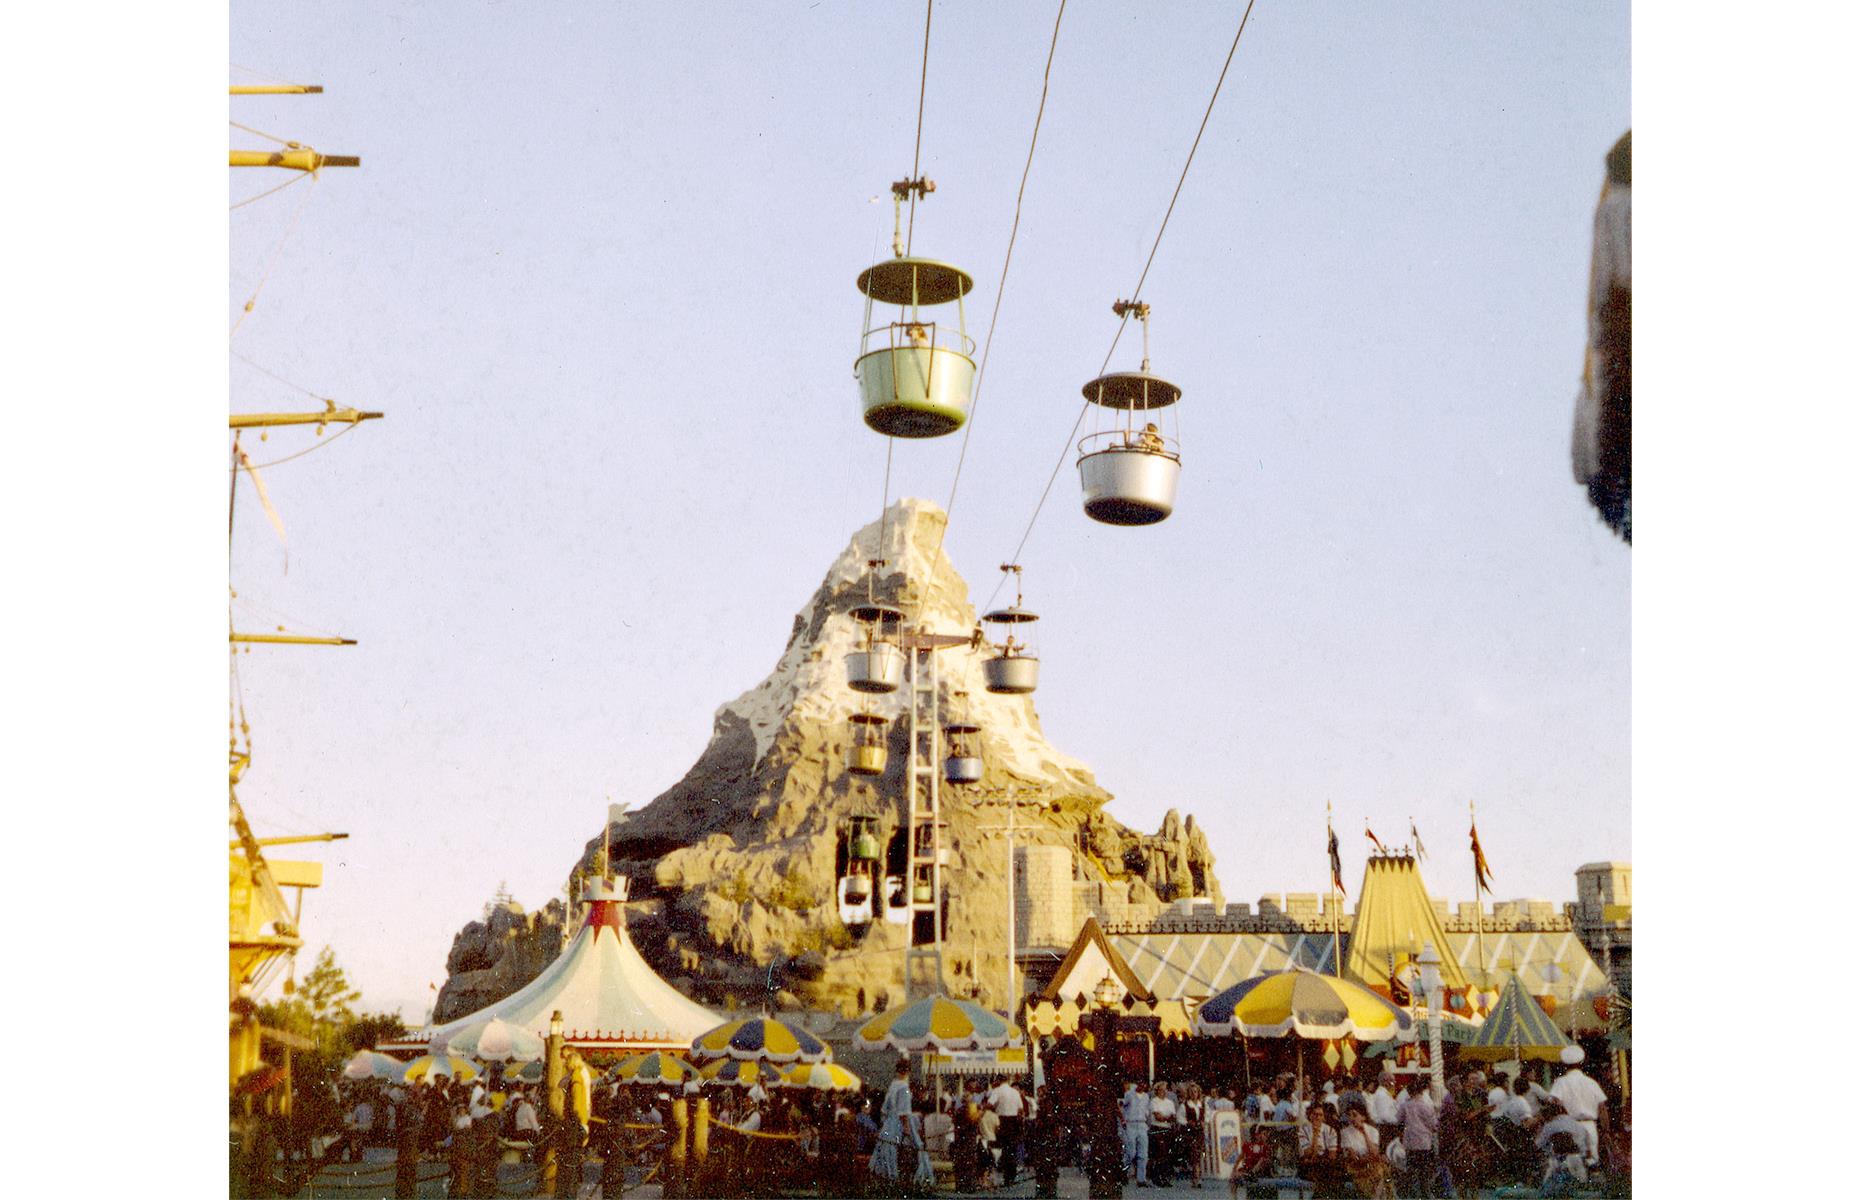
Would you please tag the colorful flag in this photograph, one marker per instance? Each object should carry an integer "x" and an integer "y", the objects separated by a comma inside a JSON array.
[
  {"x": 1420, "y": 851},
  {"x": 1336, "y": 863},
  {"x": 1482, "y": 871},
  {"x": 1368, "y": 833}
]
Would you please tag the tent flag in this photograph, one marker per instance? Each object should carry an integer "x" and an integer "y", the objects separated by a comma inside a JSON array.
[
  {"x": 1336, "y": 863},
  {"x": 1420, "y": 851},
  {"x": 1370, "y": 834},
  {"x": 1482, "y": 871}
]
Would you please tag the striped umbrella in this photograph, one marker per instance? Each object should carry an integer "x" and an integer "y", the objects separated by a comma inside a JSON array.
[
  {"x": 1303, "y": 1004},
  {"x": 1517, "y": 1027},
  {"x": 529, "y": 1072},
  {"x": 370, "y": 1064},
  {"x": 751, "y": 1038},
  {"x": 938, "y": 1023},
  {"x": 743, "y": 1073},
  {"x": 496, "y": 1040},
  {"x": 821, "y": 1077},
  {"x": 660, "y": 1066},
  {"x": 447, "y": 1064}
]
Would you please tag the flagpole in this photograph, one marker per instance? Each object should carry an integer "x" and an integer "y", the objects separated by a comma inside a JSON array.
[
  {"x": 1336, "y": 906},
  {"x": 1485, "y": 976}
]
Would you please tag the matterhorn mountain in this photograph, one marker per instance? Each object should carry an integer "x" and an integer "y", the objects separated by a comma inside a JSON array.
[{"x": 734, "y": 869}]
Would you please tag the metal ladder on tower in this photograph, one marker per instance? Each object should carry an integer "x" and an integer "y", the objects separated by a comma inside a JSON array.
[{"x": 923, "y": 957}]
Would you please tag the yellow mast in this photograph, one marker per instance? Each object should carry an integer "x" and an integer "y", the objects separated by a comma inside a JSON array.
[{"x": 264, "y": 928}]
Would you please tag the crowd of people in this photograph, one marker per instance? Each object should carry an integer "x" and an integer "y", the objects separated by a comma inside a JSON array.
[{"x": 1369, "y": 1136}]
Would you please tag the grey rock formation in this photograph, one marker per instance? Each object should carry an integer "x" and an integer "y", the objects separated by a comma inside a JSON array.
[
  {"x": 494, "y": 957},
  {"x": 735, "y": 863}
]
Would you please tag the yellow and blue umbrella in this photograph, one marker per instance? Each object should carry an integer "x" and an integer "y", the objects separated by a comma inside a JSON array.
[
  {"x": 445, "y": 1064},
  {"x": 938, "y": 1023},
  {"x": 1517, "y": 1027},
  {"x": 743, "y": 1073},
  {"x": 751, "y": 1038},
  {"x": 660, "y": 1066},
  {"x": 821, "y": 1077},
  {"x": 1303, "y": 1004}
]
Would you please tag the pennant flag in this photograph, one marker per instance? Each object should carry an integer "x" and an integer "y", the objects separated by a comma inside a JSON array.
[
  {"x": 1420, "y": 851},
  {"x": 1482, "y": 871},
  {"x": 1368, "y": 833},
  {"x": 1336, "y": 863},
  {"x": 1348, "y": 1052},
  {"x": 264, "y": 499}
]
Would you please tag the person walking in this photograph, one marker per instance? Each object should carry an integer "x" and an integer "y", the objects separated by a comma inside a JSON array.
[
  {"x": 1583, "y": 1099},
  {"x": 1134, "y": 1109},
  {"x": 1007, "y": 1103},
  {"x": 1420, "y": 1138}
]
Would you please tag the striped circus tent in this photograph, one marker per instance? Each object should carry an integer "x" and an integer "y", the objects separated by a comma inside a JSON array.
[
  {"x": 1517, "y": 1027},
  {"x": 660, "y": 1066},
  {"x": 743, "y": 1073},
  {"x": 938, "y": 1023},
  {"x": 821, "y": 1077},
  {"x": 1303, "y": 1004},
  {"x": 749, "y": 1039}
]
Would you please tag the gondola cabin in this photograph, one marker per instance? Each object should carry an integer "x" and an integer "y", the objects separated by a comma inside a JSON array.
[{"x": 916, "y": 373}]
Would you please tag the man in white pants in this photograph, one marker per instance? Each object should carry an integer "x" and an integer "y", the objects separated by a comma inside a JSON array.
[
  {"x": 1583, "y": 1099},
  {"x": 1134, "y": 1107}
]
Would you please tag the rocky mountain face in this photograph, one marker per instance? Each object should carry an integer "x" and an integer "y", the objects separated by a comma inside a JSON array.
[
  {"x": 734, "y": 866},
  {"x": 494, "y": 957}
]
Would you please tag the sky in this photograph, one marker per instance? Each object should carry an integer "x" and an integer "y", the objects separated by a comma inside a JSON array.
[{"x": 597, "y": 267}]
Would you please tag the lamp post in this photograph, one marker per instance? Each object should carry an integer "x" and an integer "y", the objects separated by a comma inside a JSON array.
[
  {"x": 1106, "y": 1169},
  {"x": 1429, "y": 962},
  {"x": 552, "y": 1090}
]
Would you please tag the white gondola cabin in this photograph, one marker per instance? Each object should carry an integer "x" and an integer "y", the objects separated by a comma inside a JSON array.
[
  {"x": 1015, "y": 668},
  {"x": 916, "y": 374},
  {"x": 1129, "y": 473},
  {"x": 964, "y": 764}
]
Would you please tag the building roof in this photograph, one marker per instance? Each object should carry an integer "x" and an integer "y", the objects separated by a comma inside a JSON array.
[
  {"x": 1193, "y": 965},
  {"x": 1091, "y": 958},
  {"x": 608, "y": 996}
]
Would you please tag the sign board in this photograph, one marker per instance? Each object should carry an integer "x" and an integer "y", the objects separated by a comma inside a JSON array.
[{"x": 1224, "y": 1139}]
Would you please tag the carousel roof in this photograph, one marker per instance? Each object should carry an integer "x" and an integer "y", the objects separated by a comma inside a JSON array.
[{"x": 608, "y": 996}]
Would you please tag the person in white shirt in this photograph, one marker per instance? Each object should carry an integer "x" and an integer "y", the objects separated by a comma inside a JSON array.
[
  {"x": 1383, "y": 1103},
  {"x": 1361, "y": 1144},
  {"x": 1583, "y": 1099},
  {"x": 1516, "y": 1107},
  {"x": 1134, "y": 1109},
  {"x": 1006, "y": 1102},
  {"x": 1223, "y": 1101},
  {"x": 1162, "y": 1131}
]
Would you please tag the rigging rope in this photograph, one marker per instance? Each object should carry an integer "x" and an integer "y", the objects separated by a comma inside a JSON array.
[
  {"x": 296, "y": 177},
  {"x": 286, "y": 142},
  {"x": 988, "y": 343},
  {"x": 1135, "y": 295},
  {"x": 262, "y": 370},
  {"x": 275, "y": 253},
  {"x": 345, "y": 431}
]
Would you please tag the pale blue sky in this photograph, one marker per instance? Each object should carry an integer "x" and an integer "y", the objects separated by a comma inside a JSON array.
[{"x": 598, "y": 268}]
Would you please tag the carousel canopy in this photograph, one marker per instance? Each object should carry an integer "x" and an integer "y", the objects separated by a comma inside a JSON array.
[{"x": 608, "y": 997}]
